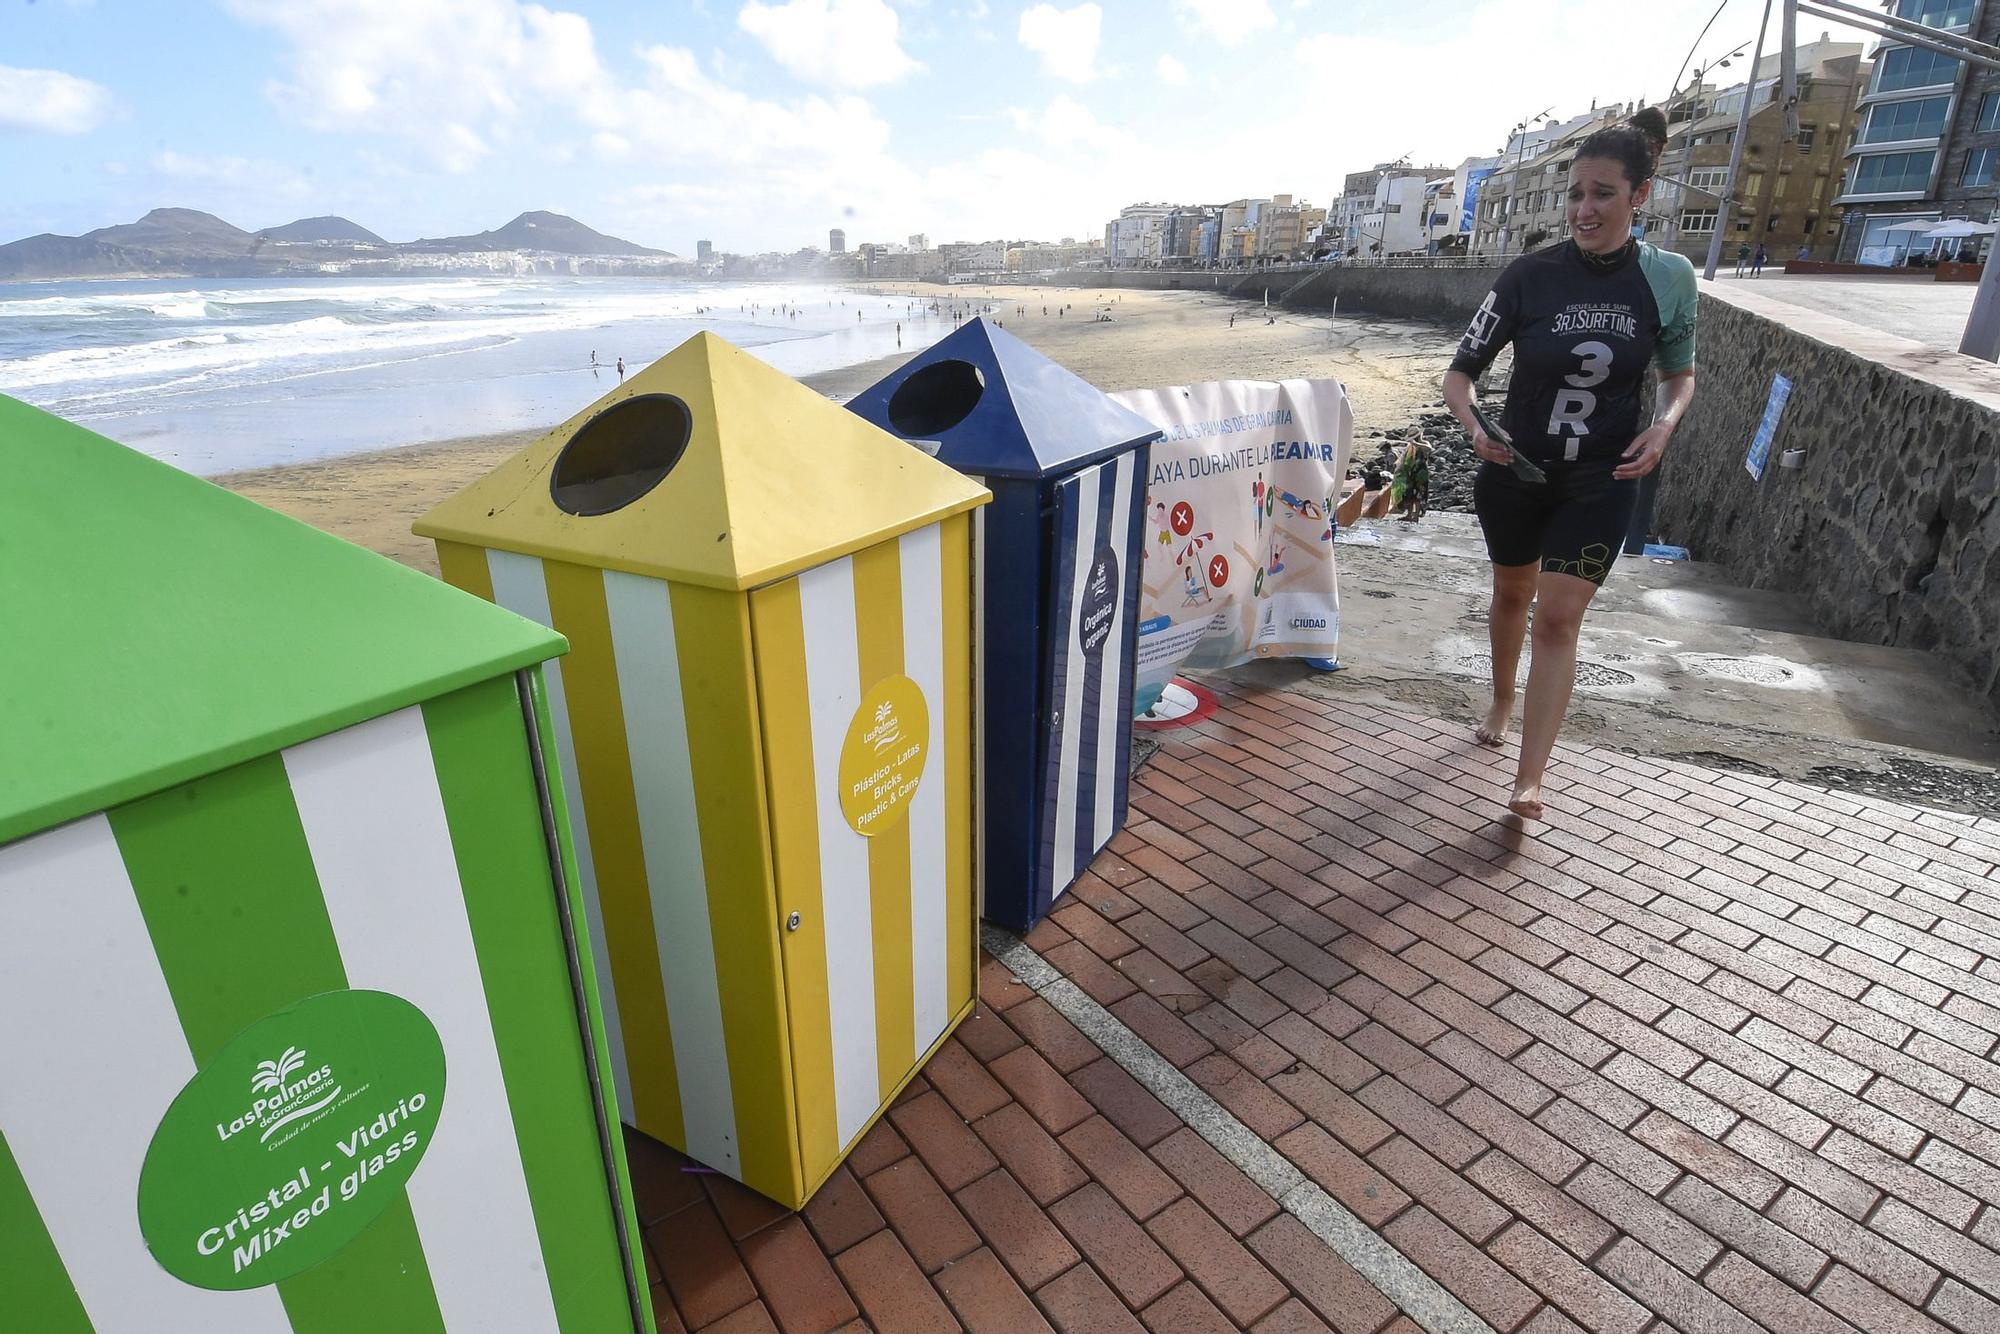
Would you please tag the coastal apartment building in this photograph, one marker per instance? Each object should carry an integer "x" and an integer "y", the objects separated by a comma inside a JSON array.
[
  {"x": 1134, "y": 236},
  {"x": 1042, "y": 257},
  {"x": 1928, "y": 143},
  {"x": 1355, "y": 218},
  {"x": 973, "y": 256},
  {"x": 1522, "y": 204},
  {"x": 1786, "y": 191}
]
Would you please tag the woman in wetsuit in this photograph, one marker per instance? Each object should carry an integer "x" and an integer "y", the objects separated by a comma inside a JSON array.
[{"x": 1586, "y": 318}]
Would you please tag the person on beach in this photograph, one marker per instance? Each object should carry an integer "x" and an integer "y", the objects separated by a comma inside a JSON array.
[
  {"x": 1757, "y": 264},
  {"x": 1585, "y": 319},
  {"x": 621, "y": 369},
  {"x": 1742, "y": 257}
]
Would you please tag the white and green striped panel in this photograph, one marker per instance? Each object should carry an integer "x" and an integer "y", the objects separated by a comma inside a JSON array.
[{"x": 406, "y": 855}]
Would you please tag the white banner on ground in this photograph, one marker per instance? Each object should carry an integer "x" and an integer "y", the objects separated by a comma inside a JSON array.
[{"x": 1240, "y": 526}]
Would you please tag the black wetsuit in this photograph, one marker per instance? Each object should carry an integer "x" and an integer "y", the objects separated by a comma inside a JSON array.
[{"x": 1584, "y": 333}]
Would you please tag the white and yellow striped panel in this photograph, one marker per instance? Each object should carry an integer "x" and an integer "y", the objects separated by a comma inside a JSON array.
[
  {"x": 882, "y": 963},
  {"x": 686, "y": 752}
]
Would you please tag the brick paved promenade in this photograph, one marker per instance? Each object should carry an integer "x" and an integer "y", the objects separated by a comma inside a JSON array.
[{"x": 1704, "y": 1053}]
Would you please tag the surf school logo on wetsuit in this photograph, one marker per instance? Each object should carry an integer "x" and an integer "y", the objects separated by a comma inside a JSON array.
[
  {"x": 1617, "y": 320},
  {"x": 280, "y": 1098}
]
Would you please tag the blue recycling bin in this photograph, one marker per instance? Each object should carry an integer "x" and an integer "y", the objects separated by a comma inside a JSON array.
[{"x": 1056, "y": 561}]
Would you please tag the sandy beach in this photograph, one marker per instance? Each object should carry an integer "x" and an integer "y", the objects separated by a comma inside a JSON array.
[{"x": 1390, "y": 369}]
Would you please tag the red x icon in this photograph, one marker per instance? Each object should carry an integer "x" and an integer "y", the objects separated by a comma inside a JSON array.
[
  {"x": 1182, "y": 518},
  {"x": 1218, "y": 571}
]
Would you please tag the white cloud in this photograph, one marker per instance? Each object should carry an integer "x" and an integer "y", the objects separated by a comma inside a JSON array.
[
  {"x": 449, "y": 75},
  {"x": 1068, "y": 124},
  {"x": 1227, "y": 21},
  {"x": 1169, "y": 70},
  {"x": 1065, "y": 39},
  {"x": 838, "y": 43},
  {"x": 50, "y": 100}
]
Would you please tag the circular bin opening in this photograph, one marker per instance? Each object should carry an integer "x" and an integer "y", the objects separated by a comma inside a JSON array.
[
  {"x": 621, "y": 454},
  {"x": 936, "y": 398}
]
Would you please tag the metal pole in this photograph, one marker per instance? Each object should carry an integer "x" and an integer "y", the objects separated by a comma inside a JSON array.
[
  {"x": 1903, "y": 26},
  {"x": 1897, "y": 35},
  {"x": 1982, "y": 327},
  {"x": 1727, "y": 213},
  {"x": 1788, "y": 71}
]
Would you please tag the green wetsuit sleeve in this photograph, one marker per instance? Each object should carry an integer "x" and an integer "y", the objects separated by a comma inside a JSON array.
[{"x": 1671, "y": 277}]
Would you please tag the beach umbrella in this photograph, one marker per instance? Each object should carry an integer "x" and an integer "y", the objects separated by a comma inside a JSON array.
[
  {"x": 1957, "y": 228},
  {"x": 1919, "y": 225}
]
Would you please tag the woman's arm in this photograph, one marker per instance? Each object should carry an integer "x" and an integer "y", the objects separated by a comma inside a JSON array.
[
  {"x": 1643, "y": 454},
  {"x": 1458, "y": 390}
]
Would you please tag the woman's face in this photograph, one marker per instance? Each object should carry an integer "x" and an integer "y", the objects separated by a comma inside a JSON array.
[{"x": 1601, "y": 204}]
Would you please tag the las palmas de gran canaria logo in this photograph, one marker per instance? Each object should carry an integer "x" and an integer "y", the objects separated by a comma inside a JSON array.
[{"x": 281, "y": 1099}]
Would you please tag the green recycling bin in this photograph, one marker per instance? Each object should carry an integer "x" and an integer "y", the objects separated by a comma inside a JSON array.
[{"x": 296, "y": 1031}]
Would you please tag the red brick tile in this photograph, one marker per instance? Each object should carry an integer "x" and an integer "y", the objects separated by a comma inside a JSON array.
[
  {"x": 1503, "y": 1300},
  {"x": 1083, "y": 922},
  {"x": 1350, "y": 1122},
  {"x": 1593, "y": 1138},
  {"x": 998, "y": 987},
  {"x": 1393, "y": 1053},
  {"x": 931, "y": 1227},
  {"x": 1297, "y": 1319},
  {"x": 943, "y": 1140},
  {"x": 1125, "y": 1102},
  {"x": 801, "y": 1289},
  {"x": 841, "y": 1212},
  {"x": 1036, "y": 1160},
  {"x": 1040, "y": 1088},
  {"x": 964, "y": 1082},
  {"x": 1960, "y": 1305},
  {"x": 1263, "y": 1057},
  {"x": 892, "y": 1291},
  {"x": 1756, "y": 1236},
  {"x": 752, "y": 1319},
  {"x": 1130, "y": 1260},
  {"x": 985, "y": 1296},
  {"x": 1079, "y": 1303},
  {"x": 1446, "y": 1193},
  {"x": 659, "y": 1186},
  {"x": 1322, "y": 1051},
  {"x": 1473, "y": 1019},
  {"x": 1046, "y": 935},
  {"x": 1236, "y": 1201},
  {"x": 1106, "y": 983},
  {"x": 1674, "y": 1296},
  {"x": 1669, "y": 1094},
  {"x": 1366, "y": 1192},
  {"x": 877, "y": 1149},
  {"x": 1399, "y": 1105},
  {"x": 1121, "y": 1167},
  {"x": 700, "y": 1265},
  {"x": 1848, "y": 1294},
  {"x": 1219, "y": 1024},
  {"x": 1052, "y": 1035},
  {"x": 1757, "y": 1294},
  {"x": 1704, "y": 1157},
  {"x": 1185, "y": 1310},
  {"x": 1546, "y": 1207},
  {"x": 1033, "y": 1248},
  {"x": 1228, "y": 1273},
  {"x": 1163, "y": 1030},
  {"x": 986, "y": 1035},
  {"x": 664, "y": 1314},
  {"x": 1638, "y": 1214},
  {"x": 1253, "y": 1103},
  {"x": 1860, "y": 1249},
  {"x": 742, "y": 1210},
  {"x": 1511, "y": 1131},
  {"x": 1530, "y": 1256},
  {"x": 1344, "y": 1299}
]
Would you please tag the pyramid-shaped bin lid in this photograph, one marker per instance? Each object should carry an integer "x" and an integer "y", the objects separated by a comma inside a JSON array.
[
  {"x": 986, "y": 403},
  {"x": 707, "y": 467},
  {"x": 155, "y": 627}
]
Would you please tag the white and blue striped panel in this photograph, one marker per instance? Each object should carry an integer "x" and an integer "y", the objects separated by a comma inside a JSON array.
[{"x": 1090, "y": 685}]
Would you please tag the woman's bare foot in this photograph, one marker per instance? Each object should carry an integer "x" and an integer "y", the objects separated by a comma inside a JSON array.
[
  {"x": 1492, "y": 730},
  {"x": 1526, "y": 801}
]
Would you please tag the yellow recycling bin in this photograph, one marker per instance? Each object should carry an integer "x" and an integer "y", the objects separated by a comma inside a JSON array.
[{"x": 765, "y": 730}]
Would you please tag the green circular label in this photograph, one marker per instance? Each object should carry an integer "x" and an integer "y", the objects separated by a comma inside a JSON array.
[{"x": 291, "y": 1140}]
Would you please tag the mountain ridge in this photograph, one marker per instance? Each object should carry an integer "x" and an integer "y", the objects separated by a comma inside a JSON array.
[{"x": 188, "y": 242}]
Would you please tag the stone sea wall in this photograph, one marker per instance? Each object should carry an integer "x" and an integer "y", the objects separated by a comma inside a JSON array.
[{"x": 1889, "y": 532}]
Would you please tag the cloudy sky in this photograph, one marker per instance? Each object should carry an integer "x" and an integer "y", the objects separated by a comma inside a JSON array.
[{"x": 759, "y": 125}]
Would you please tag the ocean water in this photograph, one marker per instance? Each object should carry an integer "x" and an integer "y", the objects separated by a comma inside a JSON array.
[{"x": 218, "y": 376}]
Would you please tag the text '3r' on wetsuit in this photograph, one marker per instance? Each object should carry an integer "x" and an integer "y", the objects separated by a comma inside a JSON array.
[{"x": 1584, "y": 331}]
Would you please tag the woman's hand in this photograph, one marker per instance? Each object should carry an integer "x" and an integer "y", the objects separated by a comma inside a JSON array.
[
  {"x": 1643, "y": 454},
  {"x": 1489, "y": 449}
]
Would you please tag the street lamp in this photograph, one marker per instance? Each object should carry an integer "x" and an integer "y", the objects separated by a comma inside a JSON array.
[
  {"x": 1692, "y": 93},
  {"x": 1519, "y": 134}
]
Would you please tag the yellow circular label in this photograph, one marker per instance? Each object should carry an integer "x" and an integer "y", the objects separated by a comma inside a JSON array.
[{"x": 882, "y": 761}]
